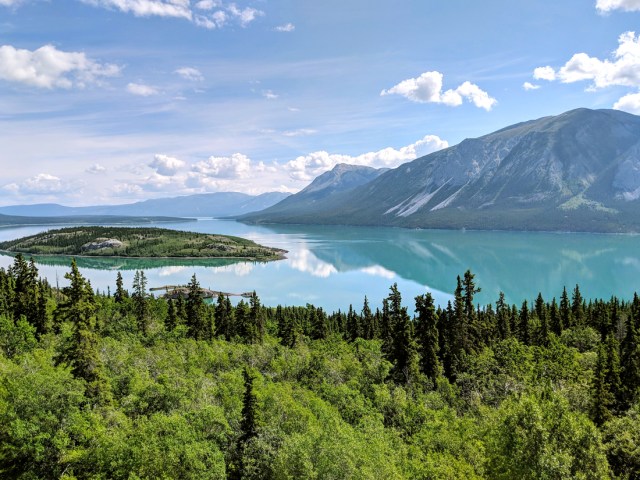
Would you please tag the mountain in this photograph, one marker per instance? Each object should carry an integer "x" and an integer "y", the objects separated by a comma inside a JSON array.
[
  {"x": 202, "y": 205},
  {"x": 342, "y": 178},
  {"x": 578, "y": 171},
  {"x": 15, "y": 220}
]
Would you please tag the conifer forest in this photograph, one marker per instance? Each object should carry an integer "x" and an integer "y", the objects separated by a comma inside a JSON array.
[{"x": 124, "y": 385}]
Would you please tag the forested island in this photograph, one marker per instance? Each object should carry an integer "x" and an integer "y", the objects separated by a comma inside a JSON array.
[
  {"x": 121, "y": 385},
  {"x": 141, "y": 242}
]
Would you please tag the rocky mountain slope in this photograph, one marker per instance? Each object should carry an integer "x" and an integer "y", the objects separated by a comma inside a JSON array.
[{"x": 578, "y": 171}]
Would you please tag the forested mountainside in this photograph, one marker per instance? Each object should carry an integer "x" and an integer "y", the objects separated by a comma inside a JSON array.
[
  {"x": 120, "y": 384},
  {"x": 578, "y": 171}
]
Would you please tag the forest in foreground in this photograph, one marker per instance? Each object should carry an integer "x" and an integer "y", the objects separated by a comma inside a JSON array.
[{"x": 122, "y": 385}]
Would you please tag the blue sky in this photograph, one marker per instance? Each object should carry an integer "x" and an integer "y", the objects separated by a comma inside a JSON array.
[{"x": 113, "y": 101}]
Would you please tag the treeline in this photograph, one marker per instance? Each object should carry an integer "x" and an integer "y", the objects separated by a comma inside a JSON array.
[{"x": 125, "y": 385}]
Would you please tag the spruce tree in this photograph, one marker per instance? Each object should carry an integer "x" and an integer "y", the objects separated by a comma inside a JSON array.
[
  {"x": 404, "y": 354},
  {"x": 602, "y": 400},
  {"x": 120, "y": 293},
  {"x": 353, "y": 325},
  {"x": 317, "y": 323},
  {"x": 565, "y": 310},
  {"x": 82, "y": 353},
  {"x": 196, "y": 311},
  {"x": 427, "y": 336},
  {"x": 140, "y": 305},
  {"x": 171, "y": 320},
  {"x": 524, "y": 334},
  {"x": 555, "y": 320},
  {"x": 502, "y": 314},
  {"x": 255, "y": 321},
  {"x": 630, "y": 358},
  {"x": 369, "y": 327},
  {"x": 577, "y": 310}
]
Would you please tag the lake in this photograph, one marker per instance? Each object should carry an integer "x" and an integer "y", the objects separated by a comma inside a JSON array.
[{"x": 334, "y": 267}]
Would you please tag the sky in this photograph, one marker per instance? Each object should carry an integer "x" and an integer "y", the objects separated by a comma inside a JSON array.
[{"x": 116, "y": 101}]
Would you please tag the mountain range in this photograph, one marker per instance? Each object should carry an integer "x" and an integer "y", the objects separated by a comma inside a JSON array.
[
  {"x": 578, "y": 171},
  {"x": 201, "y": 205}
]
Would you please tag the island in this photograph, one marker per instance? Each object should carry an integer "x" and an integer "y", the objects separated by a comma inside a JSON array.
[{"x": 139, "y": 242}]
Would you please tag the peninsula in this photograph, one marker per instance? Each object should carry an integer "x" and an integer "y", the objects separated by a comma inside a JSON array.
[{"x": 139, "y": 242}]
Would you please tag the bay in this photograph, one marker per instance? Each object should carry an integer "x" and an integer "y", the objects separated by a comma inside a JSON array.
[{"x": 335, "y": 266}]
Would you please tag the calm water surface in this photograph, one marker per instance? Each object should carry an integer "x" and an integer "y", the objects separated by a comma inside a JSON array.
[{"x": 333, "y": 267}]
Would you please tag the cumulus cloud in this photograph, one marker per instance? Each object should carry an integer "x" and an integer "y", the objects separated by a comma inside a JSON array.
[
  {"x": 96, "y": 169},
  {"x": 605, "y": 6},
  {"x": 224, "y": 14},
  {"x": 166, "y": 165},
  {"x": 544, "y": 73},
  {"x": 235, "y": 166},
  {"x": 190, "y": 73},
  {"x": 10, "y": 3},
  {"x": 427, "y": 88},
  {"x": 142, "y": 90},
  {"x": 629, "y": 103},
  {"x": 41, "y": 184},
  {"x": 287, "y": 27},
  {"x": 622, "y": 70},
  {"x": 48, "y": 67},
  {"x": 269, "y": 95},
  {"x": 530, "y": 86},
  {"x": 208, "y": 4},
  {"x": 307, "y": 167}
]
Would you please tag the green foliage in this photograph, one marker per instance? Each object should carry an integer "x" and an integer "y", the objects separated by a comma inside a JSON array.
[{"x": 338, "y": 395}]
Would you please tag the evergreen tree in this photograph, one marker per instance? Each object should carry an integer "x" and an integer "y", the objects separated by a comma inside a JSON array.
[
  {"x": 82, "y": 352},
  {"x": 577, "y": 310},
  {"x": 502, "y": 314},
  {"x": 427, "y": 336},
  {"x": 317, "y": 323},
  {"x": 565, "y": 310},
  {"x": 524, "y": 334},
  {"x": 140, "y": 305},
  {"x": 555, "y": 320},
  {"x": 613, "y": 372},
  {"x": 353, "y": 325},
  {"x": 630, "y": 358},
  {"x": 404, "y": 354},
  {"x": 255, "y": 332},
  {"x": 196, "y": 311},
  {"x": 224, "y": 318},
  {"x": 369, "y": 327},
  {"x": 120, "y": 293},
  {"x": 171, "y": 320},
  {"x": 602, "y": 398}
]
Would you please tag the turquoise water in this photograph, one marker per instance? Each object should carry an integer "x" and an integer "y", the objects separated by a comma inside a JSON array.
[{"x": 333, "y": 267}]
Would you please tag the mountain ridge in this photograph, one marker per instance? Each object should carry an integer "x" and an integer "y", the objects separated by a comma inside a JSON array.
[{"x": 577, "y": 171}]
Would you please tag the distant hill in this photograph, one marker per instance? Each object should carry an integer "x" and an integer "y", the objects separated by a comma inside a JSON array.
[
  {"x": 578, "y": 171},
  {"x": 201, "y": 205},
  {"x": 13, "y": 220},
  {"x": 342, "y": 178}
]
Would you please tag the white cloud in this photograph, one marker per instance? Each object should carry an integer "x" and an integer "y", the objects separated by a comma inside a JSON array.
[
  {"x": 41, "y": 184},
  {"x": 544, "y": 73},
  {"x": 245, "y": 15},
  {"x": 287, "y": 27},
  {"x": 10, "y": 3},
  {"x": 269, "y": 95},
  {"x": 95, "y": 169},
  {"x": 208, "y": 4},
  {"x": 48, "y": 67},
  {"x": 166, "y": 165},
  {"x": 235, "y": 166},
  {"x": 190, "y": 73},
  {"x": 148, "y": 8},
  {"x": 142, "y": 90},
  {"x": 307, "y": 167},
  {"x": 605, "y": 6},
  {"x": 207, "y": 18},
  {"x": 427, "y": 88},
  {"x": 530, "y": 86},
  {"x": 622, "y": 70},
  {"x": 299, "y": 132},
  {"x": 629, "y": 103}
]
